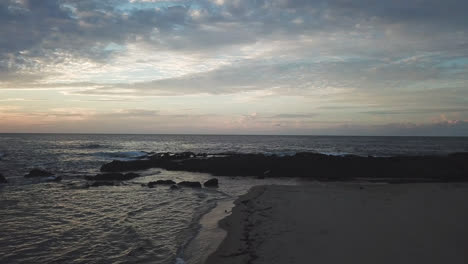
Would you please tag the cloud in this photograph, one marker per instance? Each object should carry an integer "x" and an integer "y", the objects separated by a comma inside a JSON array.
[
  {"x": 443, "y": 128},
  {"x": 350, "y": 61},
  {"x": 416, "y": 111},
  {"x": 286, "y": 116},
  {"x": 131, "y": 113},
  {"x": 98, "y": 29}
]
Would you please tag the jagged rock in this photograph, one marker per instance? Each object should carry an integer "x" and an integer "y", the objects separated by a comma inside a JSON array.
[
  {"x": 185, "y": 155},
  {"x": 211, "y": 183},
  {"x": 3, "y": 179},
  {"x": 161, "y": 182},
  {"x": 309, "y": 165},
  {"x": 131, "y": 175},
  {"x": 265, "y": 174},
  {"x": 113, "y": 177},
  {"x": 38, "y": 173},
  {"x": 174, "y": 187},
  {"x": 190, "y": 184},
  {"x": 100, "y": 183}
]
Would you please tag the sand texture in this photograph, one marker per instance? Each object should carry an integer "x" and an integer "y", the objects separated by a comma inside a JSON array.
[{"x": 348, "y": 223}]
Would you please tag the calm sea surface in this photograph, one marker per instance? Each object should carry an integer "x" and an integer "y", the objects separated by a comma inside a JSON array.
[{"x": 67, "y": 223}]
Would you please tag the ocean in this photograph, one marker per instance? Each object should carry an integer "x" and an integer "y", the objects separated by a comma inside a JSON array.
[{"x": 66, "y": 222}]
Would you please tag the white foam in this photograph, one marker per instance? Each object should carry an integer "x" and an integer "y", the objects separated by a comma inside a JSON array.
[{"x": 122, "y": 155}]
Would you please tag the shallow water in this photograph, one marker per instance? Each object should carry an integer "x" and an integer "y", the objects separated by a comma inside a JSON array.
[{"x": 68, "y": 223}]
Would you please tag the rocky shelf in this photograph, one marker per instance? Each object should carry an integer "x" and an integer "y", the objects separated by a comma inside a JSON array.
[{"x": 453, "y": 167}]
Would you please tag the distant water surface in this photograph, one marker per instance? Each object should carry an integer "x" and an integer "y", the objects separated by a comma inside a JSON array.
[
  {"x": 80, "y": 153},
  {"x": 68, "y": 223}
]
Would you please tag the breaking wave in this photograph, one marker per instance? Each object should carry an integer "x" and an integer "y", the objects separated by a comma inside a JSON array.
[{"x": 124, "y": 155}]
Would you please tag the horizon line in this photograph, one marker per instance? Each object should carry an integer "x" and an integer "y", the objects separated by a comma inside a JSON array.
[{"x": 209, "y": 134}]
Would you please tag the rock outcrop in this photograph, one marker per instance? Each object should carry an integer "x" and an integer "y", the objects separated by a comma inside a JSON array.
[
  {"x": 161, "y": 182},
  {"x": 3, "y": 179},
  {"x": 190, "y": 184},
  {"x": 100, "y": 183},
  {"x": 211, "y": 183},
  {"x": 315, "y": 166},
  {"x": 38, "y": 173}
]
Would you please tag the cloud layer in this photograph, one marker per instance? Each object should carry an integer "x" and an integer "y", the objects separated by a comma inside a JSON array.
[{"x": 355, "y": 63}]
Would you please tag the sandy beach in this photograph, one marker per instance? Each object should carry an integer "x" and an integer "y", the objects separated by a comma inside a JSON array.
[{"x": 348, "y": 223}]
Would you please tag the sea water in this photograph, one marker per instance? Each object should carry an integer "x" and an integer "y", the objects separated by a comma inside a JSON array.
[{"x": 66, "y": 222}]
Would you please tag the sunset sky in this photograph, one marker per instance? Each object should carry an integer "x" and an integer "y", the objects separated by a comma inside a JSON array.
[{"x": 339, "y": 67}]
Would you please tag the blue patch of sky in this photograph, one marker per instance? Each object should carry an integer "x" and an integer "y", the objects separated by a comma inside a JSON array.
[
  {"x": 150, "y": 5},
  {"x": 130, "y": 76},
  {"x": 114, "y": 47},
  {"x": 453, "y": 66},
  {"x": 454, "y": 63}
]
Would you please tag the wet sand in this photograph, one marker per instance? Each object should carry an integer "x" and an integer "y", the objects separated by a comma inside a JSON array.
[
  {"x": 210, "y": 235},
  {"x": 348, "y": 223}
]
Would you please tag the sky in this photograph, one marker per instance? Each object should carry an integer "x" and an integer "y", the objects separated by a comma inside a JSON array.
[{"x": 308, "y": 67}]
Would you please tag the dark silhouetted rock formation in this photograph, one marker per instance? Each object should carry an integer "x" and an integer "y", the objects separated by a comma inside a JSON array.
[
  {"x": 190, "y": 184},
  {"x": 160, "y": 182},
  {"x": 38, "y": 173},
  {"x": 3, "y": 179},
  {"x": 323, "y": 167},
  {"x": 211, "y": 183},
  {"x": 100, "y": 183}
]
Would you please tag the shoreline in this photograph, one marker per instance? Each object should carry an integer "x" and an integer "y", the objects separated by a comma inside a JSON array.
[
  {"x": 210, "y": 235},
  {"x": 234, "y": 247},
  {"x": 347, "y": 223}
]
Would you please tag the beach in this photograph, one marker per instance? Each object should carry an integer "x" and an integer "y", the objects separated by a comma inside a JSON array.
[
  {"x": 86, "y": 198},
  {"x": 348, "y": 223}
]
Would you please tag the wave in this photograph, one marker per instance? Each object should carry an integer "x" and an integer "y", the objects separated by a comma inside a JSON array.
[
  {"x": 280, "y": 153},
  {"x": 91, "y": 146},
  {"x": 125, "y": 155}
]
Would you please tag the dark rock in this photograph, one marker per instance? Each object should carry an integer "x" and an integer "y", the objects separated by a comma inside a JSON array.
[
  {"x": 38, "y": 173},
  {"x": 101, "y": 183},
  {"x": 185, "y": 155},
  {"x": 265, "y": 174},
  {"x": 113, "y": 177},
  {"x": 211, "y": 183},
  {"x": 190, "y": 184},
  {"x": 450, "y": 168},
  {"x": 3, "y": 179},
  {"x": 174, "y": 187},
  {"x": 160, "y": 182},
  {"x": 131, "y": 175}
]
